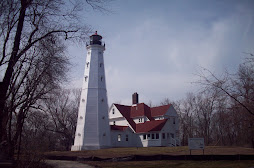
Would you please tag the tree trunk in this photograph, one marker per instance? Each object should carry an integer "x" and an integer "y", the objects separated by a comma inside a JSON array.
[{"x": 5, "y": 146}]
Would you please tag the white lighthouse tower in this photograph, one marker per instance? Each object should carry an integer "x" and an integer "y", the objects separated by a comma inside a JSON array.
[{"x": 93, "y": 130}]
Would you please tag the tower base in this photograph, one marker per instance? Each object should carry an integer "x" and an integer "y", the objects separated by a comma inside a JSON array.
[{"x": 81, "y": 148}]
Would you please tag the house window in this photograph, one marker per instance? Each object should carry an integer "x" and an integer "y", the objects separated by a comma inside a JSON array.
[
  {"x": 113, "y": 111},
  {"x": 163, "y": 136},
  {"x": 152, "y": 136},
  {"x": 127, "y": 138},
  {"x": 157, "y": 136},
  {"x": 172, "y": 135},
  {"x": 119, "y": 138},
  {"x": 144, "y": 136},
  {"x": 174, "y": 120},
  {"x": 114, "y": 122},
  {"x": 148, "y": 136},
  {"x": 168, "y": 135}
]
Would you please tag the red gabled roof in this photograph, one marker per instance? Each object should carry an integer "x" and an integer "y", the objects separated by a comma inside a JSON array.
[
  {"x": 140, "y": 110},
  {"x": 118, "y": 128},
  {"x": 125, "y": 111},
  {"x": 160, "y": 110},
  {"x": 149, "y": 126}
]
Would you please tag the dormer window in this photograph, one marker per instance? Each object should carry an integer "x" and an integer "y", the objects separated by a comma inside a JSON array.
[{"x": 113, "y": 111}]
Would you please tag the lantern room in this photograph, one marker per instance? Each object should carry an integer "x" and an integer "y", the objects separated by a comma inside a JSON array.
[{"x": 95, "y": 39}]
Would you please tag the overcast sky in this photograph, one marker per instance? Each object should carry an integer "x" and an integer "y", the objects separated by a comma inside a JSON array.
[{"x": 155, "y": 47}]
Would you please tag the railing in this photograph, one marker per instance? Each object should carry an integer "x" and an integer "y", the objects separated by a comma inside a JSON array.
[
  {"x": 96, "y": 42},
  {"x": 175, "y": 142}
]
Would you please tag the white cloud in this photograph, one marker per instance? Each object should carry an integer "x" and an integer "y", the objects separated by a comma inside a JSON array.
[{"x": 159, "y": 53}]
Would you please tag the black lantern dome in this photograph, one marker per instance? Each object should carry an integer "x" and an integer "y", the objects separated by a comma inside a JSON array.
[{"x": 95, "y": 39}]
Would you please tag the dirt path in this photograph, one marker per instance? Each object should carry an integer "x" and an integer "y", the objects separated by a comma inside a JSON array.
[{"x": 66, "y": 164}]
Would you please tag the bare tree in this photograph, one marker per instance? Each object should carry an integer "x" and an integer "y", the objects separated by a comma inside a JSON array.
[
  {"x": 62, "y": 109},
  {"x": 237, "y": 90},
  {"x": 26, "y": 27},
  {"x": 34, "y": 78}
]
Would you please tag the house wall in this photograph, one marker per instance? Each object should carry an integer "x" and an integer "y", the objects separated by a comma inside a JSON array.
[
  {"x": 166, "y": 136},
  {"x": 142, "y": 119},
  {"x": 170, "y": 131},
  {"x": 148, "y": 141},
  {"x": 114, "y": 112},
  {"x": 118, "y": 121},
  {"x": 159, "y": 118},
  {"x": 123, "y": 142}
]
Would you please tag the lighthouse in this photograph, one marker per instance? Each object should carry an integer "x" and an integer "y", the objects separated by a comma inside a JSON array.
[{"x": 93, "y": 130}]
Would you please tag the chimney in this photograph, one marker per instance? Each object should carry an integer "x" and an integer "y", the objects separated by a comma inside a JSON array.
[{"x": 135, "y": 98}]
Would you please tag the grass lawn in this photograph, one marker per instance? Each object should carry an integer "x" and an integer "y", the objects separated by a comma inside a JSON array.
[
  {"x": 183, "y": 150},
  {"x": 175, "y": 164}
]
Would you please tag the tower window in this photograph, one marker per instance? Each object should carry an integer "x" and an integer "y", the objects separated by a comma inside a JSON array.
[
  {"x": 101, "y": 64},
  {"x": 103, "y": 117},
  {"x": 102, "y": 100},
  {"x": 114, "y": 122},
  {"x": 83, "y": 100},
  {"x": 79, "y": 134},
  {"x": 101, "y": 78},
  {"x": 81, "y": 117},
  {"x": 87, "y": 64},
  {"x": 113, "y": 111},
  {"x": 86, "y": 78},
  {"x": 104, "y": 134},
  {"x": 88, "y": 52}
]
